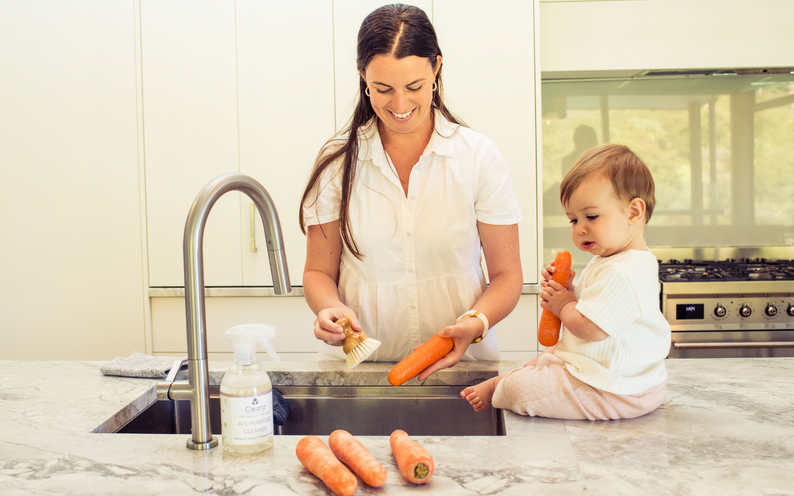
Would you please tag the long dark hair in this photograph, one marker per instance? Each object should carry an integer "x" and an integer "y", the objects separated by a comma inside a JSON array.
[{"x": 399, "y": 30}]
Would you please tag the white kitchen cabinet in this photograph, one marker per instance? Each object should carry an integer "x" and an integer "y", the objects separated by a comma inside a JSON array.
[
  {"x": 71, "y": 285},
  {"x": 622, "y": 38},
  {"x": 245, "y": 90},
  {"x": 490, "y": 81},
  {"x": 286, "y": 113},
  {"x": 191, "y": 133}
]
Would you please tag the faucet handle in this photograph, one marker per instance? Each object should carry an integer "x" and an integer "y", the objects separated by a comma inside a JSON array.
[{"x": 163, "y": 387}]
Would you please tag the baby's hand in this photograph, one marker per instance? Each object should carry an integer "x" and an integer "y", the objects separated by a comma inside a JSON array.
[
  {"x": 548, "y": 272},
  {"x": 554, "y": 297}
]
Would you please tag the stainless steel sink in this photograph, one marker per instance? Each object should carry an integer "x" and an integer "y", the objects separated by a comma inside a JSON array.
[{"x": 360, "y": 410}]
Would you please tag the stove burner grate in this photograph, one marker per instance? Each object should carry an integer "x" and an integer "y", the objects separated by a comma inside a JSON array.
[{"x": 726, "y": 270}]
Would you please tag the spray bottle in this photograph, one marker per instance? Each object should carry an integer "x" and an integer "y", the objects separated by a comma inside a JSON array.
[{"x": 247, "y": 393}]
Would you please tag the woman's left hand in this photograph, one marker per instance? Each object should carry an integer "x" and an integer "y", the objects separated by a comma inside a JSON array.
[{"x": 462, "y": 334}]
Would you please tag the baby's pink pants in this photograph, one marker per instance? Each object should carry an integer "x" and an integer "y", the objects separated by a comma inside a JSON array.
[{"x": 547, "y": 389}]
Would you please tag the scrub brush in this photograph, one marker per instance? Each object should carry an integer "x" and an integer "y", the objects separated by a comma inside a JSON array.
[{"x": 358, "y": 347}]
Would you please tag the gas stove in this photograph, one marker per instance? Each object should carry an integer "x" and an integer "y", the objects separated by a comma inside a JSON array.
[
  {"x": 729, "y": 308},
  {"x": 759, "y": 269}
]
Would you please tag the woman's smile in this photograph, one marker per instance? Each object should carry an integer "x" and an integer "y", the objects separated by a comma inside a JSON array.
[{"x": 402, "y": 117}]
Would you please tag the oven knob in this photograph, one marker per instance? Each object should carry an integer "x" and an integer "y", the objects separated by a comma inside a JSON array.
[
  {"x": 720, "y": 310},
  {"x": 745, "y": 311},
  {"x": 770, "y": 310},
  {"x": 790, "y": 309}
]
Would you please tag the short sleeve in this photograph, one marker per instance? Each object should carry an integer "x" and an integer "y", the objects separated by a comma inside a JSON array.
[
  {"x": 322, "y": 204},
  {"x": 610, "y": 302},
  {"x": 495, "y": 200}
]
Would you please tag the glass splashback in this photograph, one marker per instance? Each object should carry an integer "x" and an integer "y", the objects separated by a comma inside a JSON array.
[{"x": 720, "y": 147}]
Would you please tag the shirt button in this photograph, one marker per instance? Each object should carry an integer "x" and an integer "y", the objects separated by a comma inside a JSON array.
[
  {"x": 413, "y": 305},
  {"x": 413, "y": 197},
  {"x": 407, "y": 233},
  {"x": 410, "y": 269},
  {"x": 416, "y": 339}
]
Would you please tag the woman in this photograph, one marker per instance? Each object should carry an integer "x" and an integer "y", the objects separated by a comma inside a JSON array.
[{"x": 399, "y": 205}]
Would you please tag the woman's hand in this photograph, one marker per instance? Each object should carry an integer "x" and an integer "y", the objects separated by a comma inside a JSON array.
[
  {"x": 554, "y": 297},
  {"x": 326, "y": 328},
  {"x": 462, "y": 334}
]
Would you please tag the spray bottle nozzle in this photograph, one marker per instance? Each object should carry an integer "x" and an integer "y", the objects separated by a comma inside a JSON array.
[{"x": 245, "y": 338}]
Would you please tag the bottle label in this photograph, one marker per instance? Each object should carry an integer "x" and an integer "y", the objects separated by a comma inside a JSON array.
[{"x": 247, "y": 419}]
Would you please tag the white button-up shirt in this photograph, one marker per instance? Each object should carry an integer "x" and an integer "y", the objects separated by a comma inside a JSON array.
[{"x": 421, "y": 252}]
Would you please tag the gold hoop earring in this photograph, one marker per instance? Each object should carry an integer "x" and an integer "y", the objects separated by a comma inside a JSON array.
[
  {"x": 435, "y": 86},
  {"x": 366, "y": 91}
]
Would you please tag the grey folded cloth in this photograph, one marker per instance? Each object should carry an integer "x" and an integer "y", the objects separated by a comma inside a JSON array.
[{"x": 140, "y": 365}]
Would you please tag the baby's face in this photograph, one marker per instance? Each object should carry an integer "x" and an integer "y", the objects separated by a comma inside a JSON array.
[{"x": 600, "y": 221}]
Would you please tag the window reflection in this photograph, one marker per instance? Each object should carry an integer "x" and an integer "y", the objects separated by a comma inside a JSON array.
[{"x": 721, "y": 149}]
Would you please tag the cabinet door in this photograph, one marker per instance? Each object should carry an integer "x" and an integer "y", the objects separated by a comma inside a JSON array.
[
  {"x": 190, "y": 126},
  {"x": 286, "y": 100},
  {"x": 490, "y": 79},
  {"x": 70, "y": 213},
  {"x": 348, "y": 16}
]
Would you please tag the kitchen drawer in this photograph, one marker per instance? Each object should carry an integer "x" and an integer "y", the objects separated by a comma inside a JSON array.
[
  {"x": 291, "y": 315},
  {"x": 294, "y": 320}
]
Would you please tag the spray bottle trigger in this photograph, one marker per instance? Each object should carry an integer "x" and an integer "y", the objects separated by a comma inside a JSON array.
[{"x": 270, "y": 351}]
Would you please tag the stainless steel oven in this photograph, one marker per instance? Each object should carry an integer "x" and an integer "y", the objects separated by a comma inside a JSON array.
[{"x": 729, "y": 308}]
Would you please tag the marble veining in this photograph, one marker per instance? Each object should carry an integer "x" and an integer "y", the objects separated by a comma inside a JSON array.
[{"x": 726, "y": 427}]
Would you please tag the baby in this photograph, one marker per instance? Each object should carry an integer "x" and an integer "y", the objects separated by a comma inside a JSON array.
[{"x": 609, "y": 362}]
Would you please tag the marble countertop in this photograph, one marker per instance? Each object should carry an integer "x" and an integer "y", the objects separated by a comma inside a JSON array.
[{"x": 726, "y": 427}]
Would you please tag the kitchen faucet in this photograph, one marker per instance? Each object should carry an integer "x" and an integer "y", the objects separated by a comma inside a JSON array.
[{"x": 196, "y": 388}]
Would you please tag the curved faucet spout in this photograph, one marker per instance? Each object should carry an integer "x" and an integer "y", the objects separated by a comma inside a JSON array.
[{"x": 198, "y": 368}]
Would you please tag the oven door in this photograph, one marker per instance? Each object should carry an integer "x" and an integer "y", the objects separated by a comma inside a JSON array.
[{"x": 732, "y": 344}]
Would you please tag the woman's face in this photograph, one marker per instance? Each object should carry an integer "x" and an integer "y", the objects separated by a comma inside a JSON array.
[{"x": 401, "y": 92}]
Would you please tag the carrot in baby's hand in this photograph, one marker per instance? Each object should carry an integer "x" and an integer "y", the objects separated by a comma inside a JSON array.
[
  {"x": 433, "y": 350},
  {"x": 414, "y": 462},
  {"x": 549, "y": 328},
  {"x": 355, "y": 455},
  {"x": 319, "y": 460}
]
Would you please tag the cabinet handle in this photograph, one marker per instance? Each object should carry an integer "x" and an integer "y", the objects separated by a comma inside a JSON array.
[
  {"x": 750, "y": 344},
  {"x": 252, "y": 225}
]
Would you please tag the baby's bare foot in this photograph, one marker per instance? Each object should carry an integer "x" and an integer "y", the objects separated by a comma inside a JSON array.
[{"x": 480, "y": 396}]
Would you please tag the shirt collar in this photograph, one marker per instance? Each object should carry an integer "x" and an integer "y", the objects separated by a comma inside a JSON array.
[{"x": 371, "y": 147}]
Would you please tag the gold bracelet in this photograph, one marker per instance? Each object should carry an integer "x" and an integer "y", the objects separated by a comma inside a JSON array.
[{"x": 481, "y": 316}]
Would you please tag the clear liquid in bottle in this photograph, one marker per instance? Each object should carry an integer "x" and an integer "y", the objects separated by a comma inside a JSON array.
[{"x": 246, "y": 409}]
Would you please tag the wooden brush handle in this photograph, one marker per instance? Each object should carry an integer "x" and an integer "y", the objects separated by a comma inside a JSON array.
[{"x": 352, "y": 338}]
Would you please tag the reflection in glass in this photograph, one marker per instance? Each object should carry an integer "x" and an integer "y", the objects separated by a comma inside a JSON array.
[{"x": 721, "y": 149}]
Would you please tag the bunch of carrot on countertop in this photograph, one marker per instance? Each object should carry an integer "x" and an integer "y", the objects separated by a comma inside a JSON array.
[{"x": 414, "y": 462}]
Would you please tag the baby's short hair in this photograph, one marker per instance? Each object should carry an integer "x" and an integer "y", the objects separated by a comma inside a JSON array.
[{"x": 629, "y": 175}]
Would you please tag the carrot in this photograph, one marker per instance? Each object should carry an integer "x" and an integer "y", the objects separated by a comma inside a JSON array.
[
  {"x": 433, "y": 350},
  {"x": 355, "y": 455},
  {"x": 414, "y": 462},
  {"x": 319, "y": 460},
  {"x": 549, "y": 328}
]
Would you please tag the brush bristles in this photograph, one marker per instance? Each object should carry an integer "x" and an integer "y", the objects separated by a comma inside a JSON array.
[{"x": 362, "y": 352}]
